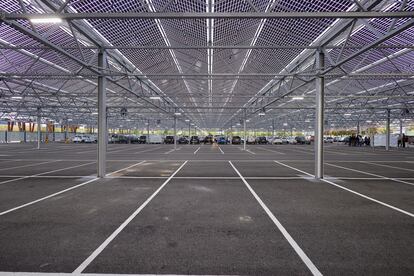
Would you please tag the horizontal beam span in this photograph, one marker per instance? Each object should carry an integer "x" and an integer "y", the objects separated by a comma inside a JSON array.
[
  {"x": 205, "y": 47},
  {"x": 206, "y": 15},
  {"x": 213, "y": 75}
]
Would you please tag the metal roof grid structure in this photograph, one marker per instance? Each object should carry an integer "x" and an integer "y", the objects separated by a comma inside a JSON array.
[{"x": 193, "y": 95}]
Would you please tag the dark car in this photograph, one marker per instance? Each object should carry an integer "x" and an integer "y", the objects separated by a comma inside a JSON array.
[
  {"x": 221, "y": 140},
  {"x": 194, "y": 140},
  {"x": 236, "y": 140},
  {"x": 182, "y": 140},
  {"x": 133, "y": 139},
  {"x": 261, "y": 140},
  {"x": 142, "y": 139},
  {"x": 302, "y": 140},
  {"x": 208, "y": 140},
  {"x": 169, "y": 140}
]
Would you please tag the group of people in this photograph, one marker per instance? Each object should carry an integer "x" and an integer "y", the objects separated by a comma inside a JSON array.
[{"x": 358, "y": 141}]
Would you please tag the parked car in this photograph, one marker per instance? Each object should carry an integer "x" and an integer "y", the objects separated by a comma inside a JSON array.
[
  {"x": 194, "y": 140},
  {"x": 236, "y": 140},
  {"x": 169, "y": 139},
  {"x": 277, "y": 141},
  {"x": 302, "y": 140},
  {"x": 142, "y": 139},
  {"x": 261, "y": 140},
  {"x": 208, "y": 140},
  {"x": 250, "y": 140},
  {"x": 77, "y": 139},
  {"x": 155, "y": 139},
  {"x": 221, "y": 140},
  {"x": 182, "y": 140},
  {"x": 291, "y": 140},
  {"x": 328, "y": 139}
]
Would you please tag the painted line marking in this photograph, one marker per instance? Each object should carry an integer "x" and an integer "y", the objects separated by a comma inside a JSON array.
[
  {"x": 91, "y": 274},
  {"x": 281, "y": 228},
  {"x": 195, "y": 152},
  {"x": 278, "y": 152},
  {"x": 39, "y": 174},
  {"x": 388, "y": 166},
  {"x": 120, "y": 170},
  {"x": 168, "y": 152},
  {"x": 97, "y": 251},
  {"x": 351, "y": 191},
  {"x": 250, "y": 151},
  {"x": 29, "y": 165},
  {"x": 222, "y": 152},
  {"x": 372, "y": 174},
  {"x": 51, "y": 195},
  {"x": 46, "y": 197}
]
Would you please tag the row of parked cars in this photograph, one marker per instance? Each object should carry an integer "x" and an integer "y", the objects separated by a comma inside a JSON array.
[{"x": 210, "y": 139}]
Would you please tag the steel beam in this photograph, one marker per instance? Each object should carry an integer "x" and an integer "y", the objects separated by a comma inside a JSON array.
[
  {"x": 388, "y": 130},
  {"x": 319, "y": 116},
  {"x": 175, "y": 133},
  {"x": 102, "y": 120},
  {"x": 205, "y": 47},
  {"x": 209, "y": 15},
  {"x": 244, "y": 131},
  {"x": 39, "y": 129}
]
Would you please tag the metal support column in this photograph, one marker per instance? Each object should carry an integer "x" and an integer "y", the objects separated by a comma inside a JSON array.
[
  {"x": 102, "y": 121},
  {"x": 231, "y": 133},
  {"x": 39, "y": 129},
  {"x": 245, "y": 136},
  {"x": 148, "y": 132},
  {"x": 175, "y": 133},
  {"x": 358, "y": 130},
  {"x": 387, "y": 128},
  {"x": 319, "y": 112},
  {"x": 189, "y": 130},
  {"x": 273, "y": 127}
]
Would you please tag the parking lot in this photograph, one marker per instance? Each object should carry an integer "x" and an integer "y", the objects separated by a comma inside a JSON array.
[{"x": 206, "y": 209}]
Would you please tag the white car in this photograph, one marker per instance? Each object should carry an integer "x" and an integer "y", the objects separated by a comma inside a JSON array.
[
  {"x": 251, "y": 140},
  {"x": 77, "y": 139},
  {"x": 292, "y": 140},
  {"x": 277, "y": 141},
  {"x": 155, "y": 139}
]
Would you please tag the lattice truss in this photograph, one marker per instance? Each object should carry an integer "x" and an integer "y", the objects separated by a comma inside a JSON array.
[{"x": 214, "y": 71}]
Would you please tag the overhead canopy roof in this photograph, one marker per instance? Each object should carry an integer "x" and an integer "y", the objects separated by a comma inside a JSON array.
[{"x": 214, "y": 61}]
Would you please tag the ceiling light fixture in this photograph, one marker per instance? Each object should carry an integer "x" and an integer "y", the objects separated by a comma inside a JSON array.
[
  {"x": 155, "y": 98},
  {"x": 177, "y": 113},
  {"x": 17, "y": 97},
  {"x": 297, "y": 98},
  {"x": 46, "y": 20}
]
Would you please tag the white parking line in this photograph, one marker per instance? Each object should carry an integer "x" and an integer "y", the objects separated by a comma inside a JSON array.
[
  {"x": 281, "y": 228},
  {"x": 91, "y": 274},
  {"x": 63, "y": 191},
  {"x": 351, "y": 191},
  {"x": 388, "y": 166},
  {"x": 97, "y": 251},
  {"x": 120, "y": 170},
  {"x": 278, "y": 152},
  {"x": 168, "y": 152},
  {"x": 222, "y": 152},
  {"x": 372, "y": 174},
  {"x": 29, "y": 165},
  {"x": 250, "y": 151},
  {"x": 58, "y": 170},
  {"x": 195, "y": 152},
  {"x": 46, "y": 197}
]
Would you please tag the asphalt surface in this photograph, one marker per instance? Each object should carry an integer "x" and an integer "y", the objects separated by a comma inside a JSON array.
[{"x": 206, "y": 209}]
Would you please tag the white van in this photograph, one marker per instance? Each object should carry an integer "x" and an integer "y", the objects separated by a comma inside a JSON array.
[{"x": 155, "y": 139}]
